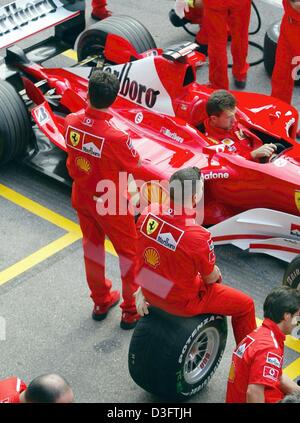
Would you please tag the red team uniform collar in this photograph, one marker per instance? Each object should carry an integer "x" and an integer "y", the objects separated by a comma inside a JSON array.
[
  {"x": 219, "y": 132},
  {"x": 279, "y": 335},
  {"x": 98, "y": 114}
]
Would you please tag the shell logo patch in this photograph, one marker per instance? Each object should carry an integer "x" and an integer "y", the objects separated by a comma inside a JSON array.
[
  {"x": 151, "y": 257},
  {"x": 154, "y": 193},
  {"x": 297, "y": 200},
  {"x": 83, "y": 164},
  {"x": 75, "y": 138}
]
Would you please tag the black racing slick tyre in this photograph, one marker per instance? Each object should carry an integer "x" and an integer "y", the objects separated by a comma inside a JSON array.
[
  {"x": 174, "y": 357},
  {"x": 292, "y": 275},
  {"x": 15, "y": 126},
  {"x": 92, "y": 40},
  {"x": 270, "y": 46}
]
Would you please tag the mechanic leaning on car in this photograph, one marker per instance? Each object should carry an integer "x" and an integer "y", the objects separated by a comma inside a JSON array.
[
  {"x": 221, "y": 127},
  {"x": 256, "y": 370},
  {"x": 98, "y": 151},
  {"x": 176, "y": 261},
  {"x": 288, "y": 52}
]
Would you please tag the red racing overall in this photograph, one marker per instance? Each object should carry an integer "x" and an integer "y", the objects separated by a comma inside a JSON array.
[
  {"x": 237, "y": 140},
  {"x": 196, "y": 16},
  {"x": 98, "y": 151},
  {"x": 287, "y": 54},
  {"x": 10, "y": 390},
  {"x": 257, "y": 360},
  {"x": 174, "y": 254},
  {"x": 219, "y": 16}
]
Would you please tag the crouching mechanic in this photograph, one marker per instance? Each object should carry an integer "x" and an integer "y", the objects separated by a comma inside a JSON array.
[
  {"x": 98, "y": 152},
  {"x": 177, "y": 270},
  {"x": 256, "y": 369},
  {"x": 221, "y": 127},
  {"x": 49, "y": 388}
]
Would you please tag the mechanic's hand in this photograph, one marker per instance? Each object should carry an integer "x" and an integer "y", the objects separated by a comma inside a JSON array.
[
  {"x": 140, "y": 302},
  {"x": 265, "y": 150},
  {"x": 220, "y": 274},
  {"x": 182, "y": 6}
]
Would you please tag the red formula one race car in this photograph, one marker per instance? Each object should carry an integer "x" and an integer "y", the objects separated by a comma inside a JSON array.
[{"x": 162, "y": 107}]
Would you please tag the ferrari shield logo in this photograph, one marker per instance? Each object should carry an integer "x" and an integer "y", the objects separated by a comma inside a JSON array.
[
  {"x": 152, "y": 225},
  {"x": 74, "y": 138},
  {"x": 297, "y": 200}
]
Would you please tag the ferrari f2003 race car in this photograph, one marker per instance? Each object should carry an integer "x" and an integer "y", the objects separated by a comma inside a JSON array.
[{"x": 162, "y": 106}]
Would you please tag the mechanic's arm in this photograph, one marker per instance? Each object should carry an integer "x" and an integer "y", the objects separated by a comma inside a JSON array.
[
  {"x": 214, "y": 276},
  {"x": 265, "y": 150},
  {"x": 255, "y": 393},
  {"x": 288, "y": 386},
  {"x": 206, "y": 259}
]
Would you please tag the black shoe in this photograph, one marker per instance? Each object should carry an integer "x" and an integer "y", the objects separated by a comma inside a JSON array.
[
  {"x": 129, "y": 320},
  {"x": 107, "y": 14},
  {"x": 240, "y": 84},
  {"x": 203, "y": 48},
  {"x": 100, "y": 312},
  {"x": 176, "y": 20}
]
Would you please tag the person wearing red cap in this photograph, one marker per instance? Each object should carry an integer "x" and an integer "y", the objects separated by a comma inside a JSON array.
[
  {"x": 288, "y": 53},
  {"x": 99, "y": 151},
  {"x": 256, "y": 370},
  {"x": 177, "y": 269},
  {"x": 99, "y": 10}
]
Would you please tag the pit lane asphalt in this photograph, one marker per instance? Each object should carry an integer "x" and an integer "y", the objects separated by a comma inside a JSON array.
[{"x": 47, "y": 309}]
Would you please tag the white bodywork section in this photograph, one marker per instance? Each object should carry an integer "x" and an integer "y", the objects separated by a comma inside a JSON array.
[{"x": 261, "y": 230}]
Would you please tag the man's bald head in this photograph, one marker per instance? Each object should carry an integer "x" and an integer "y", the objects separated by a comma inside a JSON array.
[{"x": 48, "y": 388}]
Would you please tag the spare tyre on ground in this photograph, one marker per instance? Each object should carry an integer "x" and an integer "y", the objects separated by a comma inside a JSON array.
[{"x": 174, "y": 357}]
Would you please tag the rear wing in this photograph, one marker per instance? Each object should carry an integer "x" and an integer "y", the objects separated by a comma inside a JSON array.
[{"x": 23, "y": 18}]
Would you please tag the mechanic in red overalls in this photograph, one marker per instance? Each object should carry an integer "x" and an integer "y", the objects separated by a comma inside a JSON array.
[
  {"x": 50, "y": 388},
  {"x": 99, "y": 10},
  {"x": 219, "y": 16},
  {"x": 256, "y": 370},
  {"x": 221, "y": 127},
  {"x": 287, "y": 54},
  {"x": 98, "y": 151},
  {"x": 177, "y": 270}
]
